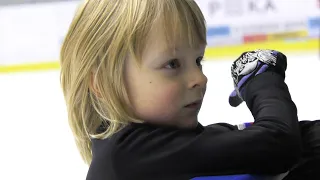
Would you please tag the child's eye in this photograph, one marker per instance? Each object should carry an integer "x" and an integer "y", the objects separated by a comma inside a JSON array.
[
  {"x": 173, "y": 64},
  {"x": 199, "y": 60}
]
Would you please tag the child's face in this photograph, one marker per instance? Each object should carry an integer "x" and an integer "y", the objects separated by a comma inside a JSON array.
[{"x": 162, "y": 88}]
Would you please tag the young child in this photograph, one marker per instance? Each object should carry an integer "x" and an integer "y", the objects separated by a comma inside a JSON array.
[{"x": 133, "y": 84}]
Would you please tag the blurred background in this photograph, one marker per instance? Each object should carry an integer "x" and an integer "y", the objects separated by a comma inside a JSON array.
[{"x": 36, "y": 142}]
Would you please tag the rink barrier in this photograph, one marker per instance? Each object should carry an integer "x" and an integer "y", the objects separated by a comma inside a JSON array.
[{"x": 211, "y": 54}]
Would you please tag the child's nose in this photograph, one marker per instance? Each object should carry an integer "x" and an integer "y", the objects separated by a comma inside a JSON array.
[{"x": 197, "y": 79}]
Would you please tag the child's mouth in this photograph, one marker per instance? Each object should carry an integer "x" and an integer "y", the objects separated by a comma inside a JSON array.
[{"x": 194, "y": 105}]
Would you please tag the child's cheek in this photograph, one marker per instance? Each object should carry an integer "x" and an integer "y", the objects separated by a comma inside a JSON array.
[
  {"x": 169, "y": 97},
  {"x": 165, "y": 102}
]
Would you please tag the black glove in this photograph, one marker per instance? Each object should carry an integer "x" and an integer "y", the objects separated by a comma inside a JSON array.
[{"x": 251, "y": 64}]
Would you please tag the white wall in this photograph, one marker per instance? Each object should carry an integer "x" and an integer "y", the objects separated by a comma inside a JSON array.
[
  {"x": 36, "y": 142},
  {"x": 33, "y": 33}
]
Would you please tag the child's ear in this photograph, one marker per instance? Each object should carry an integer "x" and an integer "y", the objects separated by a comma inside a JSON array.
[{"x": 93, "y": 85}]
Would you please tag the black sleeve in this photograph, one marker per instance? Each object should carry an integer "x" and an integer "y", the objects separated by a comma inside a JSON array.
[{"x": 271, "y": 145}]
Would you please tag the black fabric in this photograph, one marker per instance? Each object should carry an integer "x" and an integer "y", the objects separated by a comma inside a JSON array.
[
  {"x": 308, "y": 167},
  {"x": 272, "y": 145}
]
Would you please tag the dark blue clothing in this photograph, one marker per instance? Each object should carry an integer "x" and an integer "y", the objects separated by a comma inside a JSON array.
[{"x": 271, "y": 145}]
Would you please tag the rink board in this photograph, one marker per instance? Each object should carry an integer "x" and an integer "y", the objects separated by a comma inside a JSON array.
[{"x": 229, "y": 52}]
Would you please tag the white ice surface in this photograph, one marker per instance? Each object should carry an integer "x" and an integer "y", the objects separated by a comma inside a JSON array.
[{"x": 36, "y": 142}]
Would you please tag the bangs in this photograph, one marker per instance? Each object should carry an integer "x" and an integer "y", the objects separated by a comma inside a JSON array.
[
  {"x": 177, "y": 20},
  {"x": 183, "y": 21}
]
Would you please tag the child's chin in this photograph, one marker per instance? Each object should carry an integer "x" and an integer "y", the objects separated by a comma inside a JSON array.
[{"x": 190, "y": 123}]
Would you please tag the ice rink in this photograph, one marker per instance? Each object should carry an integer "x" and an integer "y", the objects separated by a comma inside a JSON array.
[{"x": 36, "y": 142}]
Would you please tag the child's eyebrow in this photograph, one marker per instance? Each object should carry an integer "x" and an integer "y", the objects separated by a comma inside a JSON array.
[
  {"x": 162, "y": 55},
  {"x": 167, "y": 51}
]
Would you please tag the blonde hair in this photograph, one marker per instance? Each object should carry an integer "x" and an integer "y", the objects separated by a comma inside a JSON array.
[{"x": 102, "y": 34}]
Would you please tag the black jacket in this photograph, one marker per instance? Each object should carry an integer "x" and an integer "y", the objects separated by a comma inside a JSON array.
[{"x": 272, "y": 145}]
